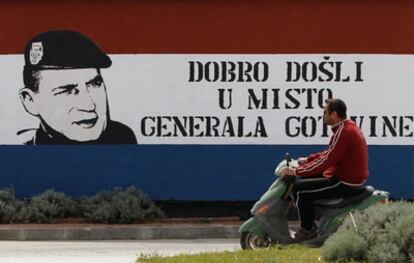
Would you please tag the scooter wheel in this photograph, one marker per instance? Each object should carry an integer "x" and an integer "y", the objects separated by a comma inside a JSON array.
[{"x": 249, "y": 240}]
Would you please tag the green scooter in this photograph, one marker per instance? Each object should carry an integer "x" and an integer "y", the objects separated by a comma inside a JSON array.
[{"x": 269, "y": 224}]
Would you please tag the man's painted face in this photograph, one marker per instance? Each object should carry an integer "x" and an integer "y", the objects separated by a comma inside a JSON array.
[{"x": 73, "y": 102}]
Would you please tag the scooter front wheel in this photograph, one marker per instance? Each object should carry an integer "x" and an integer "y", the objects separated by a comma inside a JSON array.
[{"x": 249, "y": 240}]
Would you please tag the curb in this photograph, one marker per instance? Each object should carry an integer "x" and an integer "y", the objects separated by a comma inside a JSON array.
[{"x": 111, "y": 232}]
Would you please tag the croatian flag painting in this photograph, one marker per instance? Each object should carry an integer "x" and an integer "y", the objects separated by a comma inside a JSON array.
[{"x": 196, "y": 101}]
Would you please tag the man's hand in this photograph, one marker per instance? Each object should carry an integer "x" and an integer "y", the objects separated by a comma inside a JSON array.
[
  {"x": 302, "y": 160},
  {"x": 287, "y": 171}
]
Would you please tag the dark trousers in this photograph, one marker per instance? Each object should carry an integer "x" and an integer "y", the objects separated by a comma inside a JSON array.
[{"x": 306, "y": 191}]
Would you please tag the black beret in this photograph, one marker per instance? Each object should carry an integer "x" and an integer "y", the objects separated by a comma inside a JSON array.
[{"x": 63, "y": 50}]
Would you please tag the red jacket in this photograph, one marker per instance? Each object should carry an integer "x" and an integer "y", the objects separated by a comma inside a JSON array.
[{"x": 346, "y": 157}]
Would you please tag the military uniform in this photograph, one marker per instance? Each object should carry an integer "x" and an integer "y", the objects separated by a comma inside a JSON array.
[{"x": 115, "y": 133}]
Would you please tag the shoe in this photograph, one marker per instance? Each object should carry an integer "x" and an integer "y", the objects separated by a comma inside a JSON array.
[{"x": 303, "y": 235}]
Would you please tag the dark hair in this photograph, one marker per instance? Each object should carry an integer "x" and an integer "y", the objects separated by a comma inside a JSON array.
[
  {"x": 31, "y": 79},
  {"x": 338, "y": 106}
]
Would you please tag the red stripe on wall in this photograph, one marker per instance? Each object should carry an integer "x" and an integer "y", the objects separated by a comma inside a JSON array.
[{"x": 226, "y": 26}]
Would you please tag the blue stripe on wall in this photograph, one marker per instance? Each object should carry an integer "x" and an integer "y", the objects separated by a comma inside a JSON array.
[{"x": 181, "y": 172}]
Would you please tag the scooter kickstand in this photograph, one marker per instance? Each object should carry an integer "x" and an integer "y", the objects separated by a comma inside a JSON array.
[{"x": 353, "y": 221}]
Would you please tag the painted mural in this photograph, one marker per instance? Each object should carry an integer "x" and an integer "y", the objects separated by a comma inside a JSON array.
[{"x": 197, "y": 101}]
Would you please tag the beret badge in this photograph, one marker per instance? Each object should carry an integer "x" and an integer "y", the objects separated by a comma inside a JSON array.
[{"x": 36, "y": 53}]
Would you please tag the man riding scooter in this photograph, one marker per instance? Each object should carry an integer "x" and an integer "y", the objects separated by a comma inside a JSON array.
[{"x": 337, "y": 172}]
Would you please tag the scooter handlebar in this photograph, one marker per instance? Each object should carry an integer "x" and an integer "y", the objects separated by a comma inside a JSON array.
[
  {"x": 288, "y": 159},
  {"x": 287, "y": 162}
]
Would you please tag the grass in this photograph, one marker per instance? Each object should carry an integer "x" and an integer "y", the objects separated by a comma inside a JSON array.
[{"x": 288, "y": 254}]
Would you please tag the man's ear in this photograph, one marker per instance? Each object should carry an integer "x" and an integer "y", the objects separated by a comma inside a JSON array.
[
  {"x": 27, "y": 97},
  {"x": 335, "y": 116}
]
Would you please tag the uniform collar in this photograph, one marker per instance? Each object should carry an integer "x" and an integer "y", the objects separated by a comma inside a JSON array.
[{"x": 46, "y": 135}]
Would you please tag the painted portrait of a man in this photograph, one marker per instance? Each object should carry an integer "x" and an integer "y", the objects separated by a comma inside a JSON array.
[{"x": 64, "y": 88}]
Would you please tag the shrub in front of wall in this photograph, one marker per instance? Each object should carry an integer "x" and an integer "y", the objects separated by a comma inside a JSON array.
[
  {"x": 9, "y": 206},
  {"x": 120, "y": 206},
  {"x": 46, "y": 207},
  {"x": 385, "y": 233},
  {"x": 117, "y": 206}
]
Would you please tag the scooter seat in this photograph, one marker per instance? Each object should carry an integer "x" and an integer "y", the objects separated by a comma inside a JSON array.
[{"x": 363, "y": 192}]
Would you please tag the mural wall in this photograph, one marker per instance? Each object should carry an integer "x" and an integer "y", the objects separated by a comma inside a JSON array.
[{"x": 201, "y": 110}]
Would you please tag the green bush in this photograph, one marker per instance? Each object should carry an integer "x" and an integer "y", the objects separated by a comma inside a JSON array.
[
  {"x": 385, "y": 234},
  {"x": 46, "y": 207},
  {"x": 117, "y": 206},
  {"x": 344, "y": 247},
  {"x": 120, "y": 206},
  {"x": 9, "y": 206}
]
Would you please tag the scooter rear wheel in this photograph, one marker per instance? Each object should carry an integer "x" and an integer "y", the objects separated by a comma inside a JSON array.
[{"x": 249, "y": 240}]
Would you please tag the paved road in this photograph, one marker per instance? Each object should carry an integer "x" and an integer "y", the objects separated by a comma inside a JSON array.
[{"x": 105, "y": 251}]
